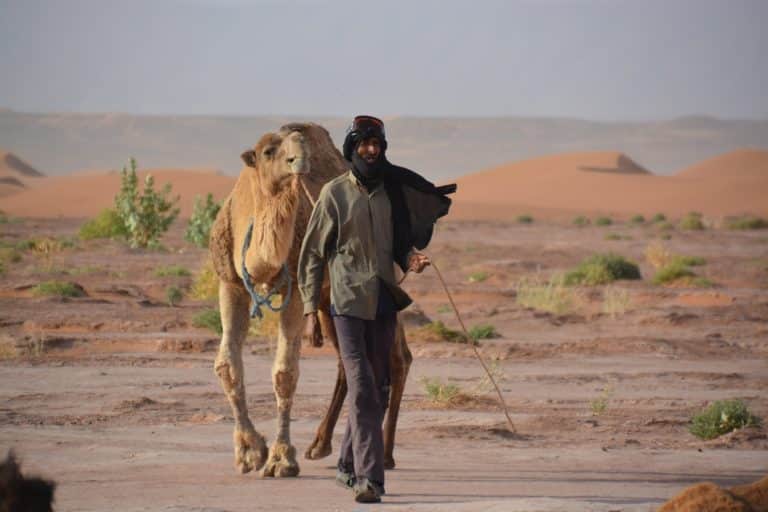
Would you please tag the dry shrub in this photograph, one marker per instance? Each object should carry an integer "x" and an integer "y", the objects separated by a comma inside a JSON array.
[
  {"x": 553, "y": 296},
  {"x": 615, "y": 301},
  {"x": 206, "y": 283},
  {"x": 657, "y": 255}
]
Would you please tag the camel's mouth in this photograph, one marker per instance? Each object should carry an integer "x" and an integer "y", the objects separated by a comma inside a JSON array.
[{"x": 299, "y": 166}]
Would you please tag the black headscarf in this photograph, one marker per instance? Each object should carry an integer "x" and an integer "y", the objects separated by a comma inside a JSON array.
[{"x": 416, "y": 203}]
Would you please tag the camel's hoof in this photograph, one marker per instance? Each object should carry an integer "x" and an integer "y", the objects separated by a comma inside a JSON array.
[
  {"x": 318, "y": 450},
  {"x": 250, "y": 450},
  {"x": 389, "y": 463},
  {"x": 282, "y": 462}
]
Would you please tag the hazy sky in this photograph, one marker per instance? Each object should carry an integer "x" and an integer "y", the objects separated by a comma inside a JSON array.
[{"x": 600, "y": 59}]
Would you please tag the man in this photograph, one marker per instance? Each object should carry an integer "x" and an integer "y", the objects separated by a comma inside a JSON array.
[{"x": 364, "y": 222}]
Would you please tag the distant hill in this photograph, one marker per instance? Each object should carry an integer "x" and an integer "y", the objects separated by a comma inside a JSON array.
[
  {"x": 14, "y": 174},
  {"x": 440, "y": 148}
]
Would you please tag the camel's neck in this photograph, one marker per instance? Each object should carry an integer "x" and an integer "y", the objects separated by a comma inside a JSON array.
[{"x": 274, "y": 221}]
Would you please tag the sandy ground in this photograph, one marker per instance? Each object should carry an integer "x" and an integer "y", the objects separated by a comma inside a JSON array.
[{"x": 117, "y": 401}]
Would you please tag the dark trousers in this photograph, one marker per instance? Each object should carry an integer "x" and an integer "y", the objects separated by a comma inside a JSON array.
[{"x": 365, "y": 346}]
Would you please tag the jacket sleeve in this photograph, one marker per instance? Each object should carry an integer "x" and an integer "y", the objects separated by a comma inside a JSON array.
[{"x": 315, "y": 250}]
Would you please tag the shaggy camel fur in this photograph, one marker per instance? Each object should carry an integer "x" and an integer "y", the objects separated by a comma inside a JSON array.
[
  {"x": 709, "y": 497},
  {"x": 268, "y": 193}
]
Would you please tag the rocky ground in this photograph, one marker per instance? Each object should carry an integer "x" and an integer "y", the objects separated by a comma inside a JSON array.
[{"x": 113, "y": 394}]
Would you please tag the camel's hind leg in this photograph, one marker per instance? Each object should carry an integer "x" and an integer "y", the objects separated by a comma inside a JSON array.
[
  {"x": 250, "y": 448},
  {"x": 285, "y": 375},
  {"x": 321, "y": 446},
  {"x": 400, "y": 363}
]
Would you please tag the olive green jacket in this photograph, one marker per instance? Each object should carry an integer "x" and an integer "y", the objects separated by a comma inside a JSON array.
[{"x": 350, "y": 230}]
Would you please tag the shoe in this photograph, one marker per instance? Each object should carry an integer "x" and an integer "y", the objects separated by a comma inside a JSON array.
[
  {"x": 367, "y": 491},
  {"x": 346, "y": 480}
]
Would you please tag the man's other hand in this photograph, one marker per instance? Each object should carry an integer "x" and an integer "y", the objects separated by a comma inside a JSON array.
[
  {"x": 417, "y": 262},
  {"x": 312, "y": 329}
]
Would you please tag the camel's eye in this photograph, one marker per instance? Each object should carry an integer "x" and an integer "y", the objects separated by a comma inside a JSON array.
[{"x": 269, "y": 151}]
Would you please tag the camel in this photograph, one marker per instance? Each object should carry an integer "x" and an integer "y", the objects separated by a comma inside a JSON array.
[
  {"x": 709, "y": 497},
  {"x": 258, "y": 234}
]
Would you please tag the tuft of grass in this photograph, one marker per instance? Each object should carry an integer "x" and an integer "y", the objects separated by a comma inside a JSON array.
[
  {"x": 691, "y": 261},
  {"x": 206, "y": 283},
  {"x": 209, "y": 318},
  {"x": 692, "y": 221},
  {"x": 483, "y": 332},
  {"x": 659, "y": 217},
  {"x": 721, "y": 417},
  {"x": 553, "y": 296},
  {"x": 602, "y": 269},
  {"x": 444, "y": 308},
  {"x": 58, "y": 289},
  {"x": 666, "y": 226},
  {"x": 9, "y": 255},
  {"x": 107, "y": 224},
  {"x": 580, "y": 221},
  {"x": 671, "y": 272},
  {"x": 637, "y": 219},
  {"x": 524, "y": 219},
  {"x": 615, "y": 301},
  {"x": 600, "y": 404},
  {"x": 616, "y": 236},
  {"x": 172, "y": 271},
  {"x": 438, "y": 331},
  {"x": 439, "y": 392},
  {"x": 657, "y": 255},
  {"x": 603, "y": 221},
  {"x": 478, "y": 277},
  {"x": 173, "y": 295},
  {"x": 747, "y": 222}
]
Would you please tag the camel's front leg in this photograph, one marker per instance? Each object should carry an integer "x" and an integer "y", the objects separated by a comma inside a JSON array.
[
  {"x": 285, "y": 375},
  {"x": 250, "y": 448},
  {"x": 400, "y": 363},
  {"x": 321, "y": 446}
]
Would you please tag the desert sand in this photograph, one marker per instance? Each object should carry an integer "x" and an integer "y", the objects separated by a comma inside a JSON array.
[{"x": 113, "y": 394}]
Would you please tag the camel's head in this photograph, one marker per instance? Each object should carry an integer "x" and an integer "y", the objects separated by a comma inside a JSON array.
[{"x": 279, "y": 159}]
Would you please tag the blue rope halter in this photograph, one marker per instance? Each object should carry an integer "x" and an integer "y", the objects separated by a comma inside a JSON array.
[{"x": 265, "y": 300}]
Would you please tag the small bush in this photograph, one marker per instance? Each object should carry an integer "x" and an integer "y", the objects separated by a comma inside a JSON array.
[
  {"x": 206, "y": 283},
  {"x": 600, "y": 404},
  {"x": 722, "y": 417},
  {"x": 483, "y": 332},
  {"x": 616, "y": 236},
  {"x": 525, "y": 219},
  {"x": 58, "y": 289},
  {"x": 204, "y": 213},
  {"x": 209, "y": 318},
  {"x": 691, "y": 261},
  {"x": 657, "y": 255},
  {"x": 107, "y": 224},
  {"x": 672, "y": 272},
  {"x": 552, "y": 296},
  {"x": 440, "y": 393},
  {"x": 9, "y": 255},
  {"x": 659, "y": 217},
  {"x": 747, "y": 222},
  {"x": 173, "y": 295},
  {"x": 602, "y": 269},
  {"x": 666, "y": 226},
  {"x": 603, "y": 221},
  {"x": 146, "y": 215},
  {"x": 172, "y": 271},
  {"x": 438, "y": 331},
  {"x": 581, "y": 221},
  {"x": 637, "y": 219},
  {"x": 478, "y": 277},
  {"x": 615, "y": 301},
  {"x": 692, "y": 221}
]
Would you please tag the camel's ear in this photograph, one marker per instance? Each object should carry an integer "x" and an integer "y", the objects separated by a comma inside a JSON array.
[{"x": 249, "y": 157}]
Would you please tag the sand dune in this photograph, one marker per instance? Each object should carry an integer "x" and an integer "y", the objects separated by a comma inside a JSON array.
[
  {"x": 558, "y": 186},
  {"x": 747, "y": 164},
  {"x": 15, "y": 174},
  {"x": 85, "y": 195}
]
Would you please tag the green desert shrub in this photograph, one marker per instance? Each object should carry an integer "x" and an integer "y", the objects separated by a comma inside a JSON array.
[
  {"x": 722, "y": 417},
  {"x": 603, "y": 221},
  {"x": 747, "y": 222},
  {"x": 665, "y": 225},
  {"x": 478, "y": 277},
  {"x": 107, "y": 224},
  {"x": 439, "y": 392},
  {"x": 602, "y": 269},
  {"x": 204, "y": 213},
  {"x": 691, "y": 261},
  {"x": 552, "y": 296},
  {"x": 581, "y": 220},
  {"x": 692, "y": 221},
  {"x": 438, "y": 331},
  {"x": 525, "y": 219},
  {"x": 637, "y": 219},
  {"x": 209, "y": 318},
  {"x": 672, "y": 272},
  {"x": 172, "y": 271},
  {"x": 659, "y": 217},
  {"x": 147, "y": 214},
  {"x": 58, "y": 289},
  {"x": 206, "y": 283},
  {"x": 483, "y": 332},
  {"x": 173, "y": 295}
]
